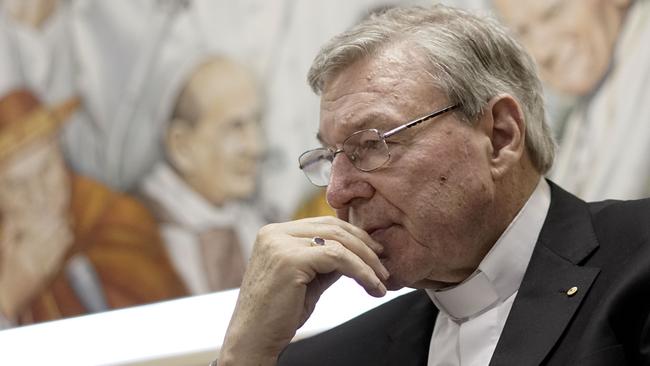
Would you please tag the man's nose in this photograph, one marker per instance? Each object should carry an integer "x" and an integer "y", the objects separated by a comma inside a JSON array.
[{"x": 346, "y": 184}]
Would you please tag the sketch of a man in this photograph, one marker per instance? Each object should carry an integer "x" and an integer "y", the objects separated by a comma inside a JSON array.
[
  {"x": 593, "y": 51},
  {"x": 213, "y": 145}
]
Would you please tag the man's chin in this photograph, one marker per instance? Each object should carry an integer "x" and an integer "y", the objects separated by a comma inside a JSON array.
[
  {"x": 395, "y": 283},
  {"x": 431, "y": 284}
]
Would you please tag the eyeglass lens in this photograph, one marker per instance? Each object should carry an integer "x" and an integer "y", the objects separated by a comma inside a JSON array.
[
  {"x": 366, "y": 150},
  {"x": 317, "y": 165}
]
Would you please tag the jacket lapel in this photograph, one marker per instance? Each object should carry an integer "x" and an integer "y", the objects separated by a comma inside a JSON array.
[
  {"x": 544, "y": 306},
  {"x": 409, "y": 339}
]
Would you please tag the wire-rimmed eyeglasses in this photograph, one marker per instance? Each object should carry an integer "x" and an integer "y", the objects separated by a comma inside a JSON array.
[{"x": 366, "y": 149}]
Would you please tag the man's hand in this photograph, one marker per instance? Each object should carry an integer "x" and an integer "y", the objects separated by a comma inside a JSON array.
[
  {"x": 30, "y": 255},
  {"x": 285, "y": 278}
]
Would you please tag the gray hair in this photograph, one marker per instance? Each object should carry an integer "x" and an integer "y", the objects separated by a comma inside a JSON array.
[{"x": 471, "y": 58}]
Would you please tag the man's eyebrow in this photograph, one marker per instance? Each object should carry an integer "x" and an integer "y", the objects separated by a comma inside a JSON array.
[{"x": 379, "y": 121}]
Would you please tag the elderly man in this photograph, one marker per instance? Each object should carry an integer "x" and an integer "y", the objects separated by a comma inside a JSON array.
[{"x": 435, "y": 144}]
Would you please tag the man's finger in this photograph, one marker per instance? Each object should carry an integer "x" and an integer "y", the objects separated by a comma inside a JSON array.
[
  {"x": 313, "y": 222},
  {"x": 353, "y": 244},
  {"x": 334, "y": 257}
]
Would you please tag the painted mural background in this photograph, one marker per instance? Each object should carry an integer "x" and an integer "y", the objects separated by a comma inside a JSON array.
[{"x": 144, "y": 142}]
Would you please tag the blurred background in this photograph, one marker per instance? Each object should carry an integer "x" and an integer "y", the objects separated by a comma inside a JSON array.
[{"x": 144, "y": 142}]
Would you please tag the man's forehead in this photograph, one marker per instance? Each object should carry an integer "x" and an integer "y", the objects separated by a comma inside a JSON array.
[
  {"x": 378, "y": 73},
  {"x": 349, "y": 123},
  {"x": 357, "y": 111},
  {"x": 362, "y": 97}
]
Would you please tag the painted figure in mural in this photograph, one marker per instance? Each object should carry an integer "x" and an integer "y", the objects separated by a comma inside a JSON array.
[
  {"x": 593, "y": 52},
  {"x": 68, "y": 245},
  {"x": 101, "y": 51},
  {"x": 212, "y": 146},
  {"x": 33, "y": 13},
  {"x": 37, "y": 53}
]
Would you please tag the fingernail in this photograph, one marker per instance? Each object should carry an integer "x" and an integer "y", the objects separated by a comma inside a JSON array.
[
  {"x": 382, "y": 289},
  {"x": 378, "y": 247}
]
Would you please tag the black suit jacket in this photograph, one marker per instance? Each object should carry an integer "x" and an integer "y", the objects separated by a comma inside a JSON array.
[{"x": 602, "y": 248}]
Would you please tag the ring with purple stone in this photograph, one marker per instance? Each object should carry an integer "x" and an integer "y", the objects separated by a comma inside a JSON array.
[{"x": 317, "y": 241}]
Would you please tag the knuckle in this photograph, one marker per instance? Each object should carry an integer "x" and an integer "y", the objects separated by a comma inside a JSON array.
[
  {"x": 335, "y": 252},
  {"x": 267, "y": 243},
  {"x": 339, "y": 234},
  {"x": 268, "y": 235},
  {"x": 331, "y": 220},
  {"x": 267, "y": 230},
  {"x": 361, "y": 233}
]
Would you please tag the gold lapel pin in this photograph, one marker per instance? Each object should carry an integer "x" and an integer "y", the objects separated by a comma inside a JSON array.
[{"x": 572, "y": 291}]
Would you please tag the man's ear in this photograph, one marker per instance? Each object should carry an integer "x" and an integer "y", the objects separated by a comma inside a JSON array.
[
  {"x": 178, "y": 146},
  {"x": 503, "y": 121}
]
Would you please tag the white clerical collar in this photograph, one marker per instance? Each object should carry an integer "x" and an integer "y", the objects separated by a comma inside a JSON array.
[
  {"x": 185, "y": 205},
  {"x": 501, "y": 271}
]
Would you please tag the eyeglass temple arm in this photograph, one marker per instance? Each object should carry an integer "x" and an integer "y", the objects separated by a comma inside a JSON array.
[{"x": 416, "y": 122}]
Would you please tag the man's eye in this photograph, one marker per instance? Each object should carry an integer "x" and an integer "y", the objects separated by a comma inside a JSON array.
[{"x": 369, "y": 144}]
